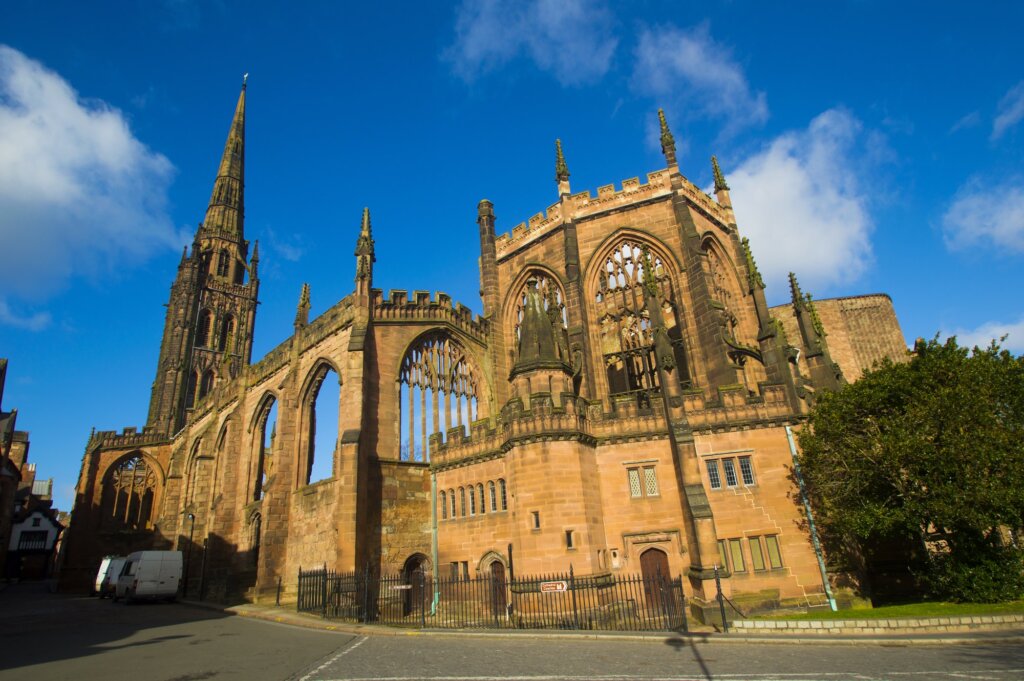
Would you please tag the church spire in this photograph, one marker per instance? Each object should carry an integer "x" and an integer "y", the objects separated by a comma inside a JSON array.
[
  {"x": 561, "y": 170},
  {"x": 364, "y": 255},
  {"x": 668, "y": 142},
  {"x": 302, "y": 310},
  {"x": 227, "y": 205}
]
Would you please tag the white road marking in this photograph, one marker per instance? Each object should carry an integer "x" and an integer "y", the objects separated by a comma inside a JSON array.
[
  {"x": 999, "y": 675},
  {"x": 335, "y": 658}
]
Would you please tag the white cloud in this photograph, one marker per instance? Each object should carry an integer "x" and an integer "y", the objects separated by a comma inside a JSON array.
[
  {"x": 971, "y": 120},
  {"x": 687, "y": 70},
  {"x": 571, "y": 39},
  {"x": 1010, "y": 111},
  {"x": 983, "y": 335},
  {"x": 992, "y": 212},
  {"x": 78, "y": 193},
  {"x": 801, "y": 202},
  {"x": 32, "y": 322}
]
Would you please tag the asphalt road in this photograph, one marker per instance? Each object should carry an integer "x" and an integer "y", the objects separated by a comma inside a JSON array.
[{"x": 46, "y": 636}]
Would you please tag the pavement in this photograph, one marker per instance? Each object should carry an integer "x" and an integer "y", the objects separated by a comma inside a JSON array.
[{"x": 696, "y": 635}]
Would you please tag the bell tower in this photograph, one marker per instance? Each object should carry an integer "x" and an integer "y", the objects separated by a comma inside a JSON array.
[{"x": 211, "y": 313}]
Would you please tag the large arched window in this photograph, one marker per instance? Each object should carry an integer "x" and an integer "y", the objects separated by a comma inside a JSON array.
[
  {"x": 129, "y": 493},
  {"x": 203, "y": 328},
  {"x": 625, "y": 325},
  {"x": 223, "y": 263},
  {"x": 554, "y": 304},
  {"x": 265, "y": 432},
  {"x": 321, "y": 404},
  {"x": 227, "y": 334},
  {"x": 438, "y": 392}
]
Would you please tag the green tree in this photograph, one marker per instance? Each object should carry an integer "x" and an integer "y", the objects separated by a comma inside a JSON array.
[{"x": 927, "y": 454}]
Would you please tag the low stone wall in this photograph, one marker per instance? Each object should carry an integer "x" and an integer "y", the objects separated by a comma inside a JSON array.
[{"x": 916, "y": 625}]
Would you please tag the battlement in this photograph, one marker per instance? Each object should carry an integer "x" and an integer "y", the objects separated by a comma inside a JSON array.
[
  {"x": 400, "y": 307},
  {"x": 129, "y": 437},
  {"x": 332, "y": 320}
]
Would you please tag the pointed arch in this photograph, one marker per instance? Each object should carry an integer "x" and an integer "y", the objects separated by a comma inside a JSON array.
[
  {"x": 438, "y": 383},
  {"x": 132, "y": 486},
  {"x": 625, "y": 327},
  {"x": 206, "y": 383},
  {"x": 317, "y": 465},
  {"x": 552, "y": 291},
  {"x": 227, "y": 333},
  {"x": 204, "y": 326},
  {"x": 263, "y": 429}
]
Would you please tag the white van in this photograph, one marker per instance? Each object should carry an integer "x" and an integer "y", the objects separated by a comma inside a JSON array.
[
  {"x": 106, "y": 576},
  {"x": 150, "y": 574}
]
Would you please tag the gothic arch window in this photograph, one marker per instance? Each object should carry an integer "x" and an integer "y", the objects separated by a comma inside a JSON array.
[
  {"x": 255, "y": 537},
  {"x": 193, "y": 471},
  {"x": 554, "y": 304},
  {"x": 503, "y": 494},
  {"x": 462, "y": 502},
  {"x": 190, "y": 390},
  {"x": 437, "y": 392},
  {"x": 492, "y": 495},
  {"x": 480, "y": 495},
  {"x": 725, "y": 288},
  {"x": 265, "y": 433},
  {"x": 206, "y": 383},
  {"x": 203, "y": 328},
  {"x": 451, "y": 497},
  {"x": 227, "y": 334},
  {"x": 129, "y": 493},
  {"x": 223, "y": 262},
  {"x": 320, "y": 408},
  {"x": 444, "y": 505},
  {"x": 627, "y": 333}
]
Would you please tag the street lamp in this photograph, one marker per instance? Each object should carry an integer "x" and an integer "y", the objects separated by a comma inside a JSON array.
[{"x": 188, "y": 552}]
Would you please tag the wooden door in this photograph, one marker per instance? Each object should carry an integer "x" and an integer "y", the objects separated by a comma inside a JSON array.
[
  {"x": 498, "y": 588},
  {"x": 657, "y": 580}
]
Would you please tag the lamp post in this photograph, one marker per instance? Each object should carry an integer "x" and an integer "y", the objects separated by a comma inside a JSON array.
[{"x": 188, "y": 552}]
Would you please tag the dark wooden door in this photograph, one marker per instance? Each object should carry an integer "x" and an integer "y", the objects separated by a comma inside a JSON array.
[
  {"x": 657, "y": 582},
  {"x": 498, "y": 588}
]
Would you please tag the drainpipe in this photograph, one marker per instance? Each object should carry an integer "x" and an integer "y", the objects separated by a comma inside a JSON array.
[
  {"x": 433, "y": 542},
  {"x": 810, "y": 520}
]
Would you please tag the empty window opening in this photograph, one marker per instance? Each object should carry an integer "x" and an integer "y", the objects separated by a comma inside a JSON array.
[
  {"x": 129, "y": 493},
  {"x": 266, "y": 433},
  {"x": 437, "y": 392},
  {"x": 203, "y": 327},
  {"x": 535, "y": 519},
  {"x": 227, "y": 335},
  {"x": 569, "y": 544},
  {"x": 324, "y": 404},
  {"x": 206, "y": 384},
  {"x": 223, "y": 263},
  {"x": 190, "y": 390}
]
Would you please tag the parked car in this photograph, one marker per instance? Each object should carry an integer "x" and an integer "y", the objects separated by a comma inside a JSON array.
[
  {"x": 149, "y": 575},
  {"x": 107, "y": 575}
]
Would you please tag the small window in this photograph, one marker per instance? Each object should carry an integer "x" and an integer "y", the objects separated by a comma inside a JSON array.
[
  {"x": 480, "y": 494},
  {"x": 774, "y": 556},
  {"x": 730, "y": 472},
  {"x": 451, "y": 496},
  {"x": 756, "y": 554},
  {"x": 746, "y": 470},
  {"x": 568, "y": 540},
  {"x": 504, "y": 501},
  {"x": 736, "y": 554},
  {"x": 465, "y": 570},
  {"x": 535, "y": 516},
  {"x": 472, "y": 500},
  {"x": 462, "y": 502},
  {"x": 35, "y": 522},
  {"x": 494, "y": 496},
  {"x": 650, "y": 482},
  {"x": 634, "y": 483},
  {"x": 713, "y": 477},
  {"x": 454, "y": 571},
  {"x": 444, "y": 506},
  {"x": 723, "y": 559}
]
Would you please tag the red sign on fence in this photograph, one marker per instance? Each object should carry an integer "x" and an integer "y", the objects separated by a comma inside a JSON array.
[{"x": 553, "y": 587}]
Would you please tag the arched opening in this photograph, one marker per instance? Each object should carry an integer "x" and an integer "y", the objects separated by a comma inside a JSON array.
[
  {"x": 266, "y": 432},
  {"x": 323, "y": 403},
  {"x": 438, "y": 391},
  {"x": 206, "y": 384},
  {"x": 499, "y": 588},
  {"x": 627, "y": 330},
  {"x": 129, "y": 493},
  {"x": 415, "y": 574},
  {"x": 190, "y": 390},
  {"x": 223, "y": 262},
  {"x": 657, "y": 579},
  {"x": 203, "y": 327},
  {"x": 227, "y": 334},
  {"x": 554, "y": 304}
]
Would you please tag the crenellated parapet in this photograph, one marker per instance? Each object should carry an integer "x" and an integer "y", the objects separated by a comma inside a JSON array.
[
  {"x": 127, "y": 438},
  {"x": 327, "y": 324},
  {"x": 399, "y": 308}
]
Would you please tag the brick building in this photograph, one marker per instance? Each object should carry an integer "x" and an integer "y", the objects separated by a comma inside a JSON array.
[{"x": 621, "y": 405}]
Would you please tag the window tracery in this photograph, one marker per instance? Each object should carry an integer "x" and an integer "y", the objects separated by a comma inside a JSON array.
[
  {"x": 554, "y": 305},
  {"x": 438, "y": 391},
  {"x": 627, "y": 332},
  {"x": 130, "y": 493}
]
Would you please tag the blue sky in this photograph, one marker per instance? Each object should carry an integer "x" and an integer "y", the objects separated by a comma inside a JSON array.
[{"x": 870, "y": 147}]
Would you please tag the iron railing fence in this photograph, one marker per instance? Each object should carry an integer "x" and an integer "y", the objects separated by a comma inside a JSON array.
[{"x": 553, "y": 601}]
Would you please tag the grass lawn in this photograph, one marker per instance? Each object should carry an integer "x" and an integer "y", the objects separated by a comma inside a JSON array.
[{"x": 930, "y": 609}]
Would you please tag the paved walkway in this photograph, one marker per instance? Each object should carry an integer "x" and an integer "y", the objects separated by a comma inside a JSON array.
[{"x": 918, "y": 634}]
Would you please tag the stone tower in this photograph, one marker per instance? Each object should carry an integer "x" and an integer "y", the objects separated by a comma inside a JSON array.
[{"x": 212, "y": 308}]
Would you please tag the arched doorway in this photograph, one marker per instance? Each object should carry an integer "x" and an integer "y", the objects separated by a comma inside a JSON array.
[
  {"x": 499, "y": 589},
  {"x": 657, "y": 580},
  {"x": 414, "y": 574}
]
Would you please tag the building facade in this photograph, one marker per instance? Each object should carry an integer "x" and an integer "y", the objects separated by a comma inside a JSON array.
[{"x": 623, "y": 404}]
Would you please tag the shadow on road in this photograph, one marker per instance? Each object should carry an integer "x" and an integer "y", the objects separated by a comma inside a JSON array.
[
  {"x": 680, "y": 643},
  {"x": 41, "y": 627}
]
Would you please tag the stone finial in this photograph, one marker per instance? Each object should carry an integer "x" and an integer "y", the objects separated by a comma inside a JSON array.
[
  {"x": 668, "y": 142},
  {"x": 302, "y": 312},
  {"x": 753, "y": 275},
  {"x": 794, "y": 289},
  {"x": 720, "y": 184},
  {"x": 364, "y": 249},
  {"x": 254, "y": 262},
  {"x": 561, "y": 169}
]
